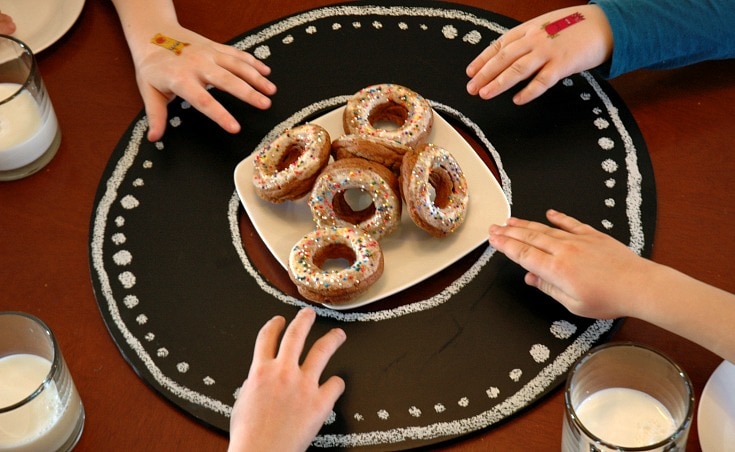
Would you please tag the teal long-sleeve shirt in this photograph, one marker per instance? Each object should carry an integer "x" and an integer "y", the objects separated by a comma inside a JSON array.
[{"x": 663, "y": 34}]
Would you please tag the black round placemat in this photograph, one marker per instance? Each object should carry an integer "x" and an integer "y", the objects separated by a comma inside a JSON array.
[{"x": 183, "y": 300}]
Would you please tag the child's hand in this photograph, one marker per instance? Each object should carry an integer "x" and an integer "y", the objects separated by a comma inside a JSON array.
[
  {"x": 7, "y": 26},
  {"x": 580, "y": 39},
  {"x": 281, "y": 405},
  {"x": 162, "y": 75},
  {"x": 586, "y": 270}
]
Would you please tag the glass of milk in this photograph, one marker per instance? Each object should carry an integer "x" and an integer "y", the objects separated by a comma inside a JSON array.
[
  {"x": 626, "y": 397},
  {"x": 40, "y": 408},
  {"x": 29, "y": 130}
]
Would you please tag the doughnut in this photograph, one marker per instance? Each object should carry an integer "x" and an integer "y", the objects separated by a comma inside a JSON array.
[
  {"x": 307, "y": 260},
  {"x": 329, "y": 207},
  {"x": 434, "y": 169},
  {"x": 408, "y": 110},
  {"x": 375, "y": 149},
  {"x": 286, "y": 168}
]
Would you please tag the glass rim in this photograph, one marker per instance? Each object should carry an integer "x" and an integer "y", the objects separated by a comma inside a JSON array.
[
  {"x": 55, "y": 362},
  {"x": 682, "y": 426},
  {"x": 26, "y": 50}
]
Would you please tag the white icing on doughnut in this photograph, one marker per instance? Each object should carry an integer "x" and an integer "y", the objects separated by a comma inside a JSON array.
[
  {"x": 306, "y": 273},
  {"x": 334, "y": 180},
  {"x": 418, "y": 190},
  {"x": 310, "y": 137},
  {"x": 414, "y": 130}
]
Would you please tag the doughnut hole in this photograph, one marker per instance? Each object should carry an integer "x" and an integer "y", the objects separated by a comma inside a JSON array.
[
  {"x": 353, "y": 205},
  {"x": 334, "y": 257},
  {"x": 388, "y": 116},
  {"x": 293, "y": 152},
  {"x": 442, "y": 187}
]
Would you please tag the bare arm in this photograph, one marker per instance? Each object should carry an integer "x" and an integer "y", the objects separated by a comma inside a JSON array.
[
  {"x": 530, "y": 51},
  {"x": 596, "y": 276},
  {"x": 162, "y": 74}
]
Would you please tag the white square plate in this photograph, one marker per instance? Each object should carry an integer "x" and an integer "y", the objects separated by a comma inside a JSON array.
[{"x": 411, "y": 255}]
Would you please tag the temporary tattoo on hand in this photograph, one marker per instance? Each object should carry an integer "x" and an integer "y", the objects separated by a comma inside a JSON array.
[
  {"x": 169, "y": 43},
  {"x": 553, "y": 28}
]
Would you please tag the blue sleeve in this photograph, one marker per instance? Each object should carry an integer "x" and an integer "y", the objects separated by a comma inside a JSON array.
[{"x": 662, "y": 34}]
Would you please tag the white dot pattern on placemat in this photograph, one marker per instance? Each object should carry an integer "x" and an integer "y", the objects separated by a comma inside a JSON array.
[
  {"x": 262, "y": 52},
  {"x": 331, "y": 418},
  {"x": 449, "y": 32},
  {"x": 563, "y": 329},
  {"x": 539, "y": 352},
  {"x": 122, "y": 258},
  {"x": 633, "y": 200},
  {"x": 129, "y": 202},
  {"x": 130, "y": 301},
  {"x": 127, "y": 279},
  {"x": 515, "y": 374}
]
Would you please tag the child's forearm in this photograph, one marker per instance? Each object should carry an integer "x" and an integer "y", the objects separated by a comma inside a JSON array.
[
  {"x": 141, "y": 19},
  {"x": 690, "y": 308}
]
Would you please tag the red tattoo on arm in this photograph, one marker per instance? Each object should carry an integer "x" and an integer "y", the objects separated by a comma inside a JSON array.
[{"x": 553, "y": 28}]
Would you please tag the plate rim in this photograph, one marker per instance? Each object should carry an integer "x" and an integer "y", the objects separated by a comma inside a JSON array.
[
  {"x": 705, "y": 429},
  {"x": 67, "y": 11}
]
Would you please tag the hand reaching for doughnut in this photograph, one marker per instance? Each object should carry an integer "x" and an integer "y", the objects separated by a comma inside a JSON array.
[
  {"x": 529, "y": 51},
  {"x": 7, "y": 26},
  {"x": 281, "y": 405},
  {"x": 594, "y": 275},
  {"x": 571, "y": 263},
  {"x": 163, "y": 74}
]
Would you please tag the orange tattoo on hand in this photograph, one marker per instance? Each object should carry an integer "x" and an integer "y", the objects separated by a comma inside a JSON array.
[{"x": 169, "y": 43}]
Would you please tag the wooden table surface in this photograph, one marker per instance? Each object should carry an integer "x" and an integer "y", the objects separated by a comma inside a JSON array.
[{"x": 686, "y": 117}]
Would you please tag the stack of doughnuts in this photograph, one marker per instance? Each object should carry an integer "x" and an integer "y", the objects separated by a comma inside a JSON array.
[
  {"x": 432, "y": 183},
  {"x": 391, "y": 165}
]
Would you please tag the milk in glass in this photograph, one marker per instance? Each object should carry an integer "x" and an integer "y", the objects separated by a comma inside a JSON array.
[
  {"x": 26, "y": 132},
  {"x": 45, "y": 423},
  {"x": 626, "y": 417}
]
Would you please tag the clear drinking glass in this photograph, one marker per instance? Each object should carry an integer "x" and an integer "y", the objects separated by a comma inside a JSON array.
[
  {"x": 29, "y": 130},
  {"x": 40, "y": 408},
  {"x": 627, "y": 397}
]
